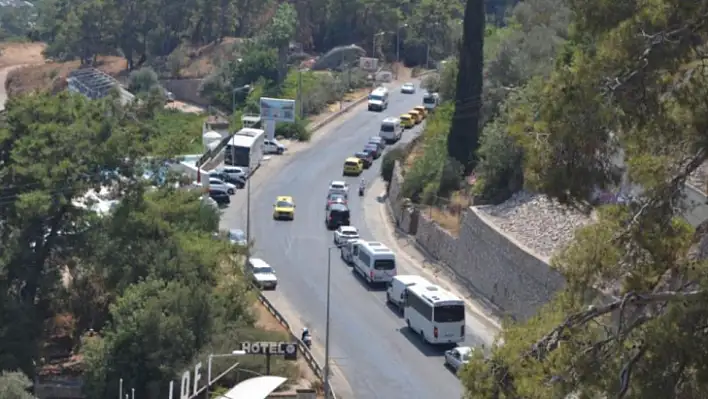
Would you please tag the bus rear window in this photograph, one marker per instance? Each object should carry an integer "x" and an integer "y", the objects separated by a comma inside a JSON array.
[
  {"x": 384, "y": 264},
  {"x": 449, "y": 313}
]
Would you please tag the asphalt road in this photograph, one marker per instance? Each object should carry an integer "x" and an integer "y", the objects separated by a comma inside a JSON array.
[{"x": 369, "y": 344}]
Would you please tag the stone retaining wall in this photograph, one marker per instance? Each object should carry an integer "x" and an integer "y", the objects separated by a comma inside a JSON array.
[{"x": 486, "y": 260}]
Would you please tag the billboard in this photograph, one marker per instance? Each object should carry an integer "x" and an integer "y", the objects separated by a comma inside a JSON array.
[
  {"x": 368, "y": 64},
  {"x": 277, "y": 109}
]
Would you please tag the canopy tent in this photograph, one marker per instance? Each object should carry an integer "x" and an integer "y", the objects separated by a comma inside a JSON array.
[{"x": 254, "y": 388}]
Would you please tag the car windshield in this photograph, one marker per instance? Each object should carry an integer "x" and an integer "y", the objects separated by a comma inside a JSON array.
[
  {"x": 263, "y": 270},
  {"x": 384, "y": 264},
  {"x": 374, "y": 97},
  {"x": 449, "y": 313},
  {"x": 387, "y": 127},
  {"x": 284, "y": 204},
  {"x": 350, "y": 233},
  {"x": 237, "y": 235},
  {"x": 405, "y": 118}
]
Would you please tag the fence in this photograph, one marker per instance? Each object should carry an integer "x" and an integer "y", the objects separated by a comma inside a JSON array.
[{"x": 302, "y": 348}]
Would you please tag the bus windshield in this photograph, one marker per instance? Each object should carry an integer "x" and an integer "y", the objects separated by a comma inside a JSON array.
[
  {"x": 236, "y": 156},
  {"x": 384, "y": 264},
  {"x": 449, "y": 313}
]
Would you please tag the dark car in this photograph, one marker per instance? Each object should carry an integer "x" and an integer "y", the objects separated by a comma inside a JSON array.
[
  {"x": 373, "y": 149},
  {"x": 336, "y": 198},
  {"x": 365, "y": 157},
  {"x": 220, "y": 197},
  {"x": 337, "y": 215},
  {"x": 238, "y": 181},
  {"x": 378, "y": 141}
]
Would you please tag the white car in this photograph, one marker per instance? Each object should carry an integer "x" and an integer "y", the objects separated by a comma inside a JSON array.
[
  {"x": 263, "y": 275},
  {"x": 338, "y": 186},
  {"x": 233, "y": 172},
  {"x": 272, "y": 146},
  {"x": 408, "y": 88},
  {"x": 216, "y": 184},
  {"x": 456, "y": 358},
  {"x": 344, "y": 234}
]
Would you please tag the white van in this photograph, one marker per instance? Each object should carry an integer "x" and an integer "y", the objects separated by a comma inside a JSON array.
[
  {"x": 397, "y": 287},
  {"x": 378, "y": 99},
  {"x": 374, "y": 261},
  {"x": 391, "y": 129},
  {"x": 431, "y": 101}
]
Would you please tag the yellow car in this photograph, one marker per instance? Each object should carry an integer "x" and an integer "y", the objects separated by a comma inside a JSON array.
[
  {"x": 422, "y": 110},
  {"x": 284, "y": 208},
  {"x": 407, "y": 121},
  {"x": 353, "y": 167},
  {"x": 416, "y": 115}
]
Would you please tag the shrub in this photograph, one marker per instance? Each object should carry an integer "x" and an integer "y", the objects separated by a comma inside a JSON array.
[
  {"x": 448, "y": 79},
  {"x": 389, "y": 161},
  {"x": 143, "y": 80},
  {"x": 431, "y": 83},
  {"x": 499, "y": 171},
  {"x": 296, "y": 130}
]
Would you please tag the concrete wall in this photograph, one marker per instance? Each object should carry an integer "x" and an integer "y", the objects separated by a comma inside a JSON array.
[
  {"x": 486, "y": 260},
  {"x": 185, "y": 90}
]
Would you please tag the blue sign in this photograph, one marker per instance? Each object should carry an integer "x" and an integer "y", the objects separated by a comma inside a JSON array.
[{"x": 277, "y": 109}]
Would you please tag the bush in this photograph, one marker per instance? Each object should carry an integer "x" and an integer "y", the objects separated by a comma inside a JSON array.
[
  {"x": 499, "y": 171},
  {"x": 448, "y": 79},
  {"x": 431, "y": 83},
  {"x": 143, "y": 80},
  {"x": 389, "y": 161},
  {"x": 295, "y": 131}
]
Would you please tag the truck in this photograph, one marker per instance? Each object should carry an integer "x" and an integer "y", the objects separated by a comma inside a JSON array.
[{"x": 245, "y": 149}]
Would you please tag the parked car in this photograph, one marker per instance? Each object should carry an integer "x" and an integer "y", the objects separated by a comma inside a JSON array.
[
  {"x": 373, "y": 149},
  {"x": 263, "y": 275},
  {"x": 237, "y": 237},
  {"x": 335, "y": 198},
  {"x": 344, "y": 234},
  {"x": 236, "y": 182},
  {"x": 218, "y": 184},
  {"x": 338, "y": 186},
  {"x": 379, "y": 141},
  {"x": 366, "y": 158},
  {"x": 220, "y": 197},
  {"x": 456, "y": 358},
  {"x": 337, "y": 215},
  {"x": 273, "y": 146}
]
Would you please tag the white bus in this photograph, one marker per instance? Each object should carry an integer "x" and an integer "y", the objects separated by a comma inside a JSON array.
[
  {"x": 245, "y": 149},
  {"x": 434, "y": 313},
  {"x": 374, "y": 261}
]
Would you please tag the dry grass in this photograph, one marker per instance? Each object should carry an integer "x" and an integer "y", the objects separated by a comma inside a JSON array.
[
  {"x": 52, "y": 75},
  {"x": 201, "y": 61},
  {"x": 268, "y": 322},
  {"x": 21, "y": 54}
]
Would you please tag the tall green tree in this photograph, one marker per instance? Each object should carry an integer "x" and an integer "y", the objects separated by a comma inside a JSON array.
[
  {"x": 627, "y": 100},
  {"x": 463, "y": 140}
]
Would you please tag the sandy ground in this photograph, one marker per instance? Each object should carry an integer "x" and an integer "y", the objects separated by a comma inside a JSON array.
[{"x": 21, "y": 54}]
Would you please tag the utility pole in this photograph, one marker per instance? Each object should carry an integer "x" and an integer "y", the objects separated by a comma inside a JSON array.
[
  {"x": 299, "y": 94},
  {"x": 248, "y": 208},
  {"x": 398, "y": 48},
  {"x": 327, "y": 389}
]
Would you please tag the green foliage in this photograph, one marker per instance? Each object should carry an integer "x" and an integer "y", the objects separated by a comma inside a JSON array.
[
  {"x": 143, "y": 80},
  {"x": 296, "y": 130},
  {"x": 448, "y": 79},
  {"x": 431, "y": 83},
  {"x": 15, "y": 385},
  {"x": 422, "y": 182},
  {"x": 389, "y": 160},
  {"x": 281, "y": 29},
  {"x": 175, "y": 133},
  {"x": 619, "y": 98}
]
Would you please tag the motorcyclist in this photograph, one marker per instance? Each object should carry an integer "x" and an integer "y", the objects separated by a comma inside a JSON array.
[
  {"x": 305, "y": 334},
  {"x": 362, "y": 185}
]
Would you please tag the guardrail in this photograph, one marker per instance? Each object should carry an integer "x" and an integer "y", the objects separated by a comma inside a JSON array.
[{"x": 302, "y": 348}]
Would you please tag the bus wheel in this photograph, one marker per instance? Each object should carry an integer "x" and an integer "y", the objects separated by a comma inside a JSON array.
[{"x": 408, "y": 322}]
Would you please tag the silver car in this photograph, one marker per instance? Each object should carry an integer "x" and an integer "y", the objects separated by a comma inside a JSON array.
[
  {"x": 344, "y": 234},
  {"x": 456, "y": 358},
  {"x": 263, "y": 275},
  {"x": 408, "y": 88},
  {"x": 237, "y": 237}
]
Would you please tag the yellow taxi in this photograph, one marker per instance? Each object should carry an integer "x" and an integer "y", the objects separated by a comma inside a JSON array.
[
  {"x": 416, "y": 116},
  {"x": 353, "y": 167},
  {"x": 422, "y": 110},
  {"x": 284, "y": 208},
  {"x": 407, "y": 121}
]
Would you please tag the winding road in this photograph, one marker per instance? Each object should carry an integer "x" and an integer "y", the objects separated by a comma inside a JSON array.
[{"x": 370, "y": 345}]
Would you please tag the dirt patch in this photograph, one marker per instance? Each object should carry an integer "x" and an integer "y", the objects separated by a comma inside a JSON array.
[
  {"x": 198, "y": 62},
  {"x": 21, "y": 54},
  {"x": 52, "y": 75},
  {"x": 268, "y": 322}
]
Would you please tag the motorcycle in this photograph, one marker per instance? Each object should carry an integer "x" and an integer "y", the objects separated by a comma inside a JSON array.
[
  {"x": 361, "y": 191},
  {"x": 307, "y": 340}
]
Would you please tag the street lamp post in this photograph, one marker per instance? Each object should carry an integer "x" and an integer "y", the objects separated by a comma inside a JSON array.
[
  {"x": 327, "y": 388},
  {"x": 248, "y": 180},
  {"x": 398, "y": 47},
  {"x": 211, "y": 358}
]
